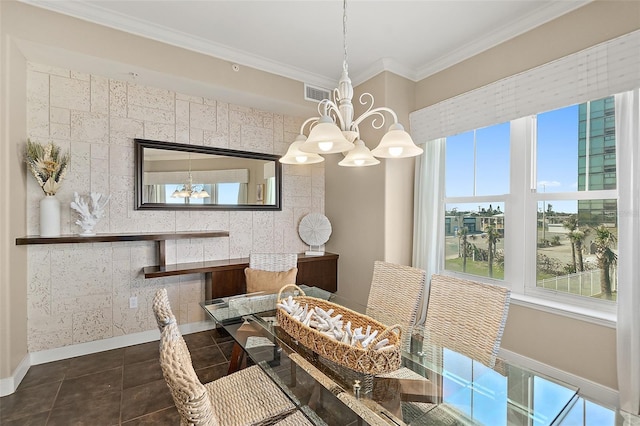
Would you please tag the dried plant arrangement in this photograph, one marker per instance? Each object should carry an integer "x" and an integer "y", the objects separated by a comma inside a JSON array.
[{"x": 48, "y": 165}]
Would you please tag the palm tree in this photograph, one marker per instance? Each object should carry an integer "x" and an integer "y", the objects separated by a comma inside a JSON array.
[
  {"x": 571, "y": 224},
  {"x": 493, "y": 236},
  {"x": 462, "y": 236},
  {"x": 603, "y": 241},
  {"x": 577, "y": 239}
]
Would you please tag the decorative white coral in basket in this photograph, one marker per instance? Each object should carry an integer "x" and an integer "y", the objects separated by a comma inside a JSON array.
[
  {"x": 332, "y": 327},
  {"x": 89, "y": 215}
]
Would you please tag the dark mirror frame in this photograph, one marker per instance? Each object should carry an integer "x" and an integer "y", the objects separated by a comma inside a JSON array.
[{"x": 141, "y": 144}]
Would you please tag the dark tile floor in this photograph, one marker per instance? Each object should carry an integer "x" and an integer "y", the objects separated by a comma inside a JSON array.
[{"x": 117, "y": 387}]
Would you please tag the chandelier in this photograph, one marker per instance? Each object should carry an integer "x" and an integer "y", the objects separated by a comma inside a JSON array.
[
  {"x": 189, "y": 190},
  {"x": 336, "y": 129}
]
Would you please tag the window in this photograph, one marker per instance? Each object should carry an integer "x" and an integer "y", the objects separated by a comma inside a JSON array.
[
  {"x": 576, "y": 235},
  {"x": 539, "y": 190},
  {"x": 228, "y": 193},
  {"x": 477, "y": 181}
]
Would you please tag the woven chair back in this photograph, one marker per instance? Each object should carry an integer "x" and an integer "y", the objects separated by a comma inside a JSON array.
[
  {"x": 189, "y": 394},
  {"x": 395, "y": 296},
  {"x": 274, "y": 262},
  {"x": 467, "y": 317},
  {"x": 162, "y": 309}
]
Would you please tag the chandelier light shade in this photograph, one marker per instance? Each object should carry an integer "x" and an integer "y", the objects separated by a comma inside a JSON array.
[
  {"x": 396, "y": 143},
  {"x": 326, "y": 138},
  {"x": 295, "y": 156},
  {"x": 189, "y": 190},
  {"x": 335, "y": 129},
  {"x": 360, "y": 156}
]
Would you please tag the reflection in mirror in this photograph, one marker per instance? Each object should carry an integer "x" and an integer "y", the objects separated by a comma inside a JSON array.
[{"x": 177, "y": 176}]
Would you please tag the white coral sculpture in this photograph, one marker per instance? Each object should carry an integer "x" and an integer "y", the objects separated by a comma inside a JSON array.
[{"x": 89, "y": 215}]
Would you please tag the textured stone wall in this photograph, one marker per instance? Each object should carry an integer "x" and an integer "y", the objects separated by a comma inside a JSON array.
[{"x": 80, "y": 292}]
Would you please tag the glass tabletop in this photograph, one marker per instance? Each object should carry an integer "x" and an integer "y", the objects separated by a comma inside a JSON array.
[{"x": 434, "y": 385}]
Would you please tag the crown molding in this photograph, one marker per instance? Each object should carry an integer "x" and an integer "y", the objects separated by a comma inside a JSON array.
[
  {"x": 101, "y": 16},
  {"x": 108, "y": 18},
  {"x": 382, "y": 65},
  {"x": 528, "y": 22}
]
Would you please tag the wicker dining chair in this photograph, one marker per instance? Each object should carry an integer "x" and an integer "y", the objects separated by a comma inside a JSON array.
[
  {"x": 268, "y": 272},
  {"x": 395, "y": 295},
  {"x": 162, "y": 309},
  {"x": 246, "y": 397},
  {"x": 273, "y": 262},
  {"x": 467, "y": 317}
]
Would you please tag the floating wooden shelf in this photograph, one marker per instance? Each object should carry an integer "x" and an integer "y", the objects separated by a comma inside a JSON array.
[{"x": 112, "y": 238}]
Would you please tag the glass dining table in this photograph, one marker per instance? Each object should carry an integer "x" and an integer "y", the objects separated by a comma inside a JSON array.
[{"x": 434, "y": 386}]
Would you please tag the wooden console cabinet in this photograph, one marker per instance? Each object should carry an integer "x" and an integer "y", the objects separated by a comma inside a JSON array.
[{"x": 226, "y": 277}]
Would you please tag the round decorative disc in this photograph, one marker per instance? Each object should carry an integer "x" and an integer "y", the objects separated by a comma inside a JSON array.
[{"x": 315, "y": 229}]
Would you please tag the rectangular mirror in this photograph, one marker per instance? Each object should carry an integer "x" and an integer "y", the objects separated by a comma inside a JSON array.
[{"x": 172, "y": 176}]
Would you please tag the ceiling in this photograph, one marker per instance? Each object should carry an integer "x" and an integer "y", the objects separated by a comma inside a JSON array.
[{"x": 303, "y": 39}]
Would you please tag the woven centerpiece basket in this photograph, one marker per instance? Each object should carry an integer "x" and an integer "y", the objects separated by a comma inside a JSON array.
[{"x": 368, "y": 361}]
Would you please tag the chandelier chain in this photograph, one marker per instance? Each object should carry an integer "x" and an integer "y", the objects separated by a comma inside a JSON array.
[
  {"x": 337, "y": 130},
  {"x": 344, "y": 33}
]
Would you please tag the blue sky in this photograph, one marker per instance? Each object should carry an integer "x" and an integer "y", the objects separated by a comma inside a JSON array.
[
  {"x": 558, "y": 150},
  {"x": 557, "y": 159}
]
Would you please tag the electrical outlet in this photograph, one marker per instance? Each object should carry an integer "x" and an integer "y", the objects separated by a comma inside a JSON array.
[{"x": 133, "y": 302}]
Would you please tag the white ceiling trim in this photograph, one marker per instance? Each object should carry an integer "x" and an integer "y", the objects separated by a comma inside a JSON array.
[
  {"x": 102, "y": 16},
  {"x": 384, "y": 64},
  {"x": 516, "y": 28}
]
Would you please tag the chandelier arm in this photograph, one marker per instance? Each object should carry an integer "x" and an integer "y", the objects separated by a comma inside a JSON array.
[
  {"x": 329, "y": 107},
  {"x": 377, "y": 113},
  {"x": 311, "y": 120}
]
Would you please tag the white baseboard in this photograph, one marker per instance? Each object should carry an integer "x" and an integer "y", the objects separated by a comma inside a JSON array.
[
  {"x": 10, "y": 384},
  {"x": 591, "y": 390}
]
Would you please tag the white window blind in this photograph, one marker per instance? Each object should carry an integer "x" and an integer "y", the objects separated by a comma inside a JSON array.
[{"x": 593, "y": 73}]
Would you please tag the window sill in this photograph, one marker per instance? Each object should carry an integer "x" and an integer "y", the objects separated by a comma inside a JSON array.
[{"x": 605, "y": 319}]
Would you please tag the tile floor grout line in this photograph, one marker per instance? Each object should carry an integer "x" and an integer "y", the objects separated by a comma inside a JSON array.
[
  {"x": 121, "y": 390},
  {"x": 54, "y": 400}
]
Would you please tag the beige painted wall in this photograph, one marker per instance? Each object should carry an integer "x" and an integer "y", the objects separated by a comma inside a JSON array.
[
  {"x": 13, "y": 275},
  {"x": 579, "y": 347},
  {"x": 371, "y": 208},
  {"x": 354, "y": 204},
  {"x": 587, "y": 26},
  {"x": 399, "y": 95},
  {"x": 584, "y": 349}
]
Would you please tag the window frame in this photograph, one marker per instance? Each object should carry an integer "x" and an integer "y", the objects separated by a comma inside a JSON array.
[{"x": 520, "y": 239}]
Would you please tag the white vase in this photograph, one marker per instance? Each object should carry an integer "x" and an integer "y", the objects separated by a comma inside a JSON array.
[{"x": 49, "y": 216}]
